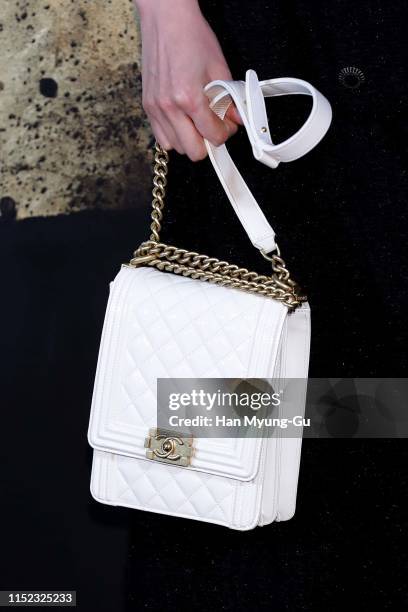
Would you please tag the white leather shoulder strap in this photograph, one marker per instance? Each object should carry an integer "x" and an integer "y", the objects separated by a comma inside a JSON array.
[{"x": 249, "y": 97}]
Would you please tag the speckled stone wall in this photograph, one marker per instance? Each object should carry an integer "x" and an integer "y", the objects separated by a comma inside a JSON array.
[{"x": 72, "y": 131}]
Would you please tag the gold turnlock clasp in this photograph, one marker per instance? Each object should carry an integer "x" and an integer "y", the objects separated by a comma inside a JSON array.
[{"x": 168, "y": 447}]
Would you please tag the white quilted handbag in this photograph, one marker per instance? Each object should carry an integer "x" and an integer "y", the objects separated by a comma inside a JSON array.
[{"x": 175, "y": 314}]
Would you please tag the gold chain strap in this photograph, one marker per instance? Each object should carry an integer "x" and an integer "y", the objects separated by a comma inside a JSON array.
[
  {"x": 278, "y": 286},
  {"x": 160, "y": 170}
]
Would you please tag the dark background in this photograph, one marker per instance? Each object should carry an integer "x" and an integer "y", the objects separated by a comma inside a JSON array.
[{"x": 342, "y": 225}]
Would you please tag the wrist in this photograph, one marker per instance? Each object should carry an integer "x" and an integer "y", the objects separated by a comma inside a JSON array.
[{"x": 155, "y": 7}]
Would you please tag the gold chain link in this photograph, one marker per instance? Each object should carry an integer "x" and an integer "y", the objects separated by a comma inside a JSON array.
[
  {"x": 160, "y": 170},
  {"x": 278, "y": 286}
]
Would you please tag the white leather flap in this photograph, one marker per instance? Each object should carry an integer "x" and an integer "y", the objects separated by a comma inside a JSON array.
[{"x": 160, "y": 325}]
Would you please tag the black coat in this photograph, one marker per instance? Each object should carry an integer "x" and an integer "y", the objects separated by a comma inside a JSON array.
[{"x": 339, "y": 213}]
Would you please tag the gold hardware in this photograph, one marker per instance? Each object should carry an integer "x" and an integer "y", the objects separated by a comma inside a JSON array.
[
  {"x": 167, "y": 258},
  {"x": 169, "y": 447},
  {"x": 160, "y": 170},
  {"x": 264, "y": 129},
  {"x": 138, "y": 261}
]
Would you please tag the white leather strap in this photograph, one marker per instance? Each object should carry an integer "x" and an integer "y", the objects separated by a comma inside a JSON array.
[{"x": 249, "y": 97}]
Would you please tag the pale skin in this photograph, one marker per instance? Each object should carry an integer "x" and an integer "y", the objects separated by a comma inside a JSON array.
[{"x": 180, "y": 55}]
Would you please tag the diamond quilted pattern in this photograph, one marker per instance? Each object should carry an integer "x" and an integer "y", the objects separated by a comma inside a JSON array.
[
  {"x": 162, "y": 325},
  {"x": 173, "y": 490},
  {"x": 185, "y": 332}
]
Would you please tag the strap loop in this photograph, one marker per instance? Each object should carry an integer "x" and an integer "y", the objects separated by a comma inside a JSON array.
[{"x": 249, "y": 97}]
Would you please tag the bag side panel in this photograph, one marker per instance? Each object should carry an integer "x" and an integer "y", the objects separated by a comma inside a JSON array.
[{"x": 283, "y": 454}]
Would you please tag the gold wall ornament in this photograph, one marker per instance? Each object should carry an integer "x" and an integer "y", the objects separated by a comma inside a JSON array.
[{"x": 168, "y": 447}]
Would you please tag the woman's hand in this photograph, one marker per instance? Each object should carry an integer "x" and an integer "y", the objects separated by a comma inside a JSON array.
[{"x": 180, "y": 55}]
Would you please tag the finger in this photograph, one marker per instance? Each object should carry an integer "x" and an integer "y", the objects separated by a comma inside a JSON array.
[
  {"x": 190, "y": 139},
  {"x": 165, "y": 135},
  {"x": 160, "y": 135},
  {"x": 209, "y": 125},
  {"x": 231, "y": 126},
  {"x": 233, "y": 114}
]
